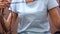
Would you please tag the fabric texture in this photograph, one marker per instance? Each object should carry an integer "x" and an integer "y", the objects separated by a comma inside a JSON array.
[
  {"x": 33, "y": 17},
  {"x": 25, "y": 32}
]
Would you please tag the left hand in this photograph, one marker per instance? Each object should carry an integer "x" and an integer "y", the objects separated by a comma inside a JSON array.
[{"x": 4, "y": 3}]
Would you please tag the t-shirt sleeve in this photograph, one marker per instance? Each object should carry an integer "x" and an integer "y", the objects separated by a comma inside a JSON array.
[
  {"x": 52, "y": 3},
  {"x": 13, "y": 7}
]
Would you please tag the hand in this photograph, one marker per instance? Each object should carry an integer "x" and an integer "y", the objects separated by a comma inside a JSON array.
[{"x": 4, "y": 3}]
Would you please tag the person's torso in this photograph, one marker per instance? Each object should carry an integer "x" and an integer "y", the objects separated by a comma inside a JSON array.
[{"x": 33, "y": 17}]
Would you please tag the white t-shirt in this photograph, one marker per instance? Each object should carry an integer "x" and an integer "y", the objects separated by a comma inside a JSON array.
[{"x": 33, "y": 17}]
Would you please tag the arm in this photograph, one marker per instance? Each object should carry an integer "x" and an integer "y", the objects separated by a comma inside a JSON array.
[
  {"x": 12, "y": 17},
  {"x": 55, "y": 17}
]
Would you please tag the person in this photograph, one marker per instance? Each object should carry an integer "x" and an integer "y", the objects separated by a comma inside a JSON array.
[{"x": 33, "y": 16}]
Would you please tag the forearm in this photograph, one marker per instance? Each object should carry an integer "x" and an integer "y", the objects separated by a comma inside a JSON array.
[
  {"x": 11, "y": 19},
  {"x": 55, "y": 17},
  {"x": 14, "y": 17},
  {"x": 7, "y": 21}
]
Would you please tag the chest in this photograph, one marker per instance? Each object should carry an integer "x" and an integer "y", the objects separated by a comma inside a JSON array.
[{"x": 36, "y": 6}]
